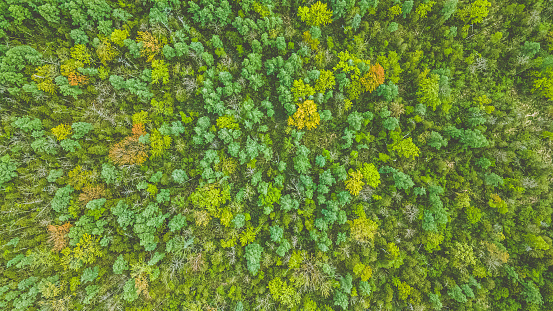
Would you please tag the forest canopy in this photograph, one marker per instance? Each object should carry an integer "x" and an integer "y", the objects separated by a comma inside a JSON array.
[{"x": 276, "y": 155}]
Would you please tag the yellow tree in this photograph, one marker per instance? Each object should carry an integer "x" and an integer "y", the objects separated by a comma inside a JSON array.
[
  {"x": 62, "y": 131},
  {"x": 316, "y": 15},
  {"x": 354, "y": 183},
  {"x": 44, "y": 77},
  {"x": 305, "y": 116},
  {"x": 150, "y": 45},
  {"x": 363, "y": 229}
]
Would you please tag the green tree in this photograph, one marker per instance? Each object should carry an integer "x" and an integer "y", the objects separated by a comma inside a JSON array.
[
  {"x": 436, "y": 140},
  {"x": 7, "y": 169},
  {"x": 120, "y": 265},
  {"x": 253, "y": 257},
  {"x": 428, "y": 91},
  {"x": 450, "y": 7},
  {"x": 90, "y": 274}
]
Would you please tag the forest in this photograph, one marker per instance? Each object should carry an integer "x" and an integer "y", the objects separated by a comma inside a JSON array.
[{"x": 237, "y": 155}]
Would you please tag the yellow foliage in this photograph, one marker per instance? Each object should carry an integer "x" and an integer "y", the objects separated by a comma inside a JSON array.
[
  {"x": 363, "y": 229},
  {"x": 79, "y": 178},
  {"x": 118, "y": 36},
  {"x": 106, "y": 52},
  {"x": 302, "y": 90},
  {"x": 316, "y": 15},
  {"x": 62, "y": 131},
  {"x": 140, "y": 117},
  {"x": 313, "y": 43},
  {"x": 354, "y": 183},
  {"x": 150, "y": 45},
  {"x": 159, "y": 143},
  {"x": 424, "y": 8},
  {"x": 80, "y": 53},
  {"x": 70, "y": 66},
  {"x": 86, "y": 252},
  {"x": 44, "y": 77},
  {"x": 305, "y": 116},
  {"x": 326, "y": 81},
  {"x": 202, "y": 218},
  {"x": 394, "y": 11},
  {"x": 227, "y": 121}
]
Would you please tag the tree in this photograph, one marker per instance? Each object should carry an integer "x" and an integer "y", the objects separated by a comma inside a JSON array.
[
  {"x": 14, "y": 61},
  {"x": 118, "y": 36},
  {"x": 341, "y": 299},
  {"x": 159, "y": 144},
  {"x": 371, "y": 175},
  {"x": 26, "y": 124},
  {"x": 284, "y": 293},
  {"x": 363, "y": 229},
  {"x": 211, "y": 198},
  {"x": 130, "y": 151},
  {"x": 150, "y": 45},
  {"x": 305, "y": 116},
  {"x": 90, "y": 274},
  {"x": 253, "y": 257},
  {"x": 428, "y": 91},
  {"x": 316, "y": 15},
  {"x": 110, "y": 174},
  {"x": 7, "y": 169},
  {"x": 80, "y": 129},
  {"x": 407, "y": 7},
  {"x": 450, "y": 6},
  {"x": 391, "y": 123},
  {"x": 402, "y": 180},
  {"x": 354, "y": 184},
  {"x": 325, "y": 81},
  {"x": 45, "y": 76},
  {"x": 424, "y": 8},
  {"x": 159, "y": 71},
  {"x": 179, "y": 176},
  {"x": 457, "y": 294},
  {"x": 67, "y": 89},
  {"x": 475, "y": 12},
  {"x": 106, "y": 52},
  {"x": 130, "y": 293},
  {"x": 436, "y": 140},
  {"x": 544, "y": 83},
  {"x": 406, "y": 148},
  {"x": 58, "y": 235}
]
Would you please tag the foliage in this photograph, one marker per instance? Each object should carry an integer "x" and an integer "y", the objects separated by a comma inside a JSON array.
[
  {"x": 354, "y": 184},
  {"x": 7, "y": 169},
  {"x": 406, "y": 148},
  {"x": 253, "y": 256},
  {"x": 305, "y": 116},
  {"x": 62, "y": 131},
  {"x": 363, "y": 229},
  {"x": 475, "y": 12},
  {"x": 255, "y": 155},
  {"x": 315, "y": 15},
  {"x": 58, "y": 235},
  {"x": 371, "y": 175}
]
